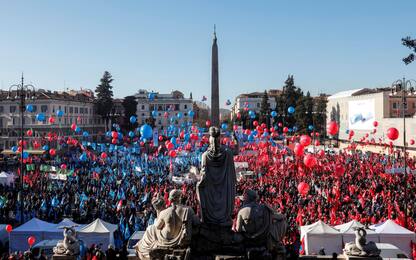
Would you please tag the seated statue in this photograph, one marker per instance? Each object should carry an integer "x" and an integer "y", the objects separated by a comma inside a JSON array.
[
  {"x": 172, "y": 229},
  {"x": 360, "y": 247},
  {"x": 260, "y": 224},
  {"x": 70, "y": 244}
]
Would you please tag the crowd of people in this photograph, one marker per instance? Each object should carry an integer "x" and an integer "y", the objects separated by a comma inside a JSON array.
[{"x": 117, "y": 182}]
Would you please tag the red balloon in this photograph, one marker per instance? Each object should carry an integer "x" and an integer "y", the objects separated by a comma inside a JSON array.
[
  {"x": 298, "y": 150},
  {"x": 375, "y": 123},
  {"x": 160, "y": 138},
  {"x": 305, "y": 140},
  {"x": 238, "y": 115},
  {"x": 392, "y": 133},
  {"x": 172, "y": 153},
  {"x": 103, "y": 155},
  {"x": 52, "y": 152},
  {"x": 63, "y": 166},
  {"x": 114, "y": 140},
  {"x": 285, "y": 129},
  {"x": 73, "y": 126},
  {"x": 339, "y": 170},
  {"x": 255, "y": 123},
  {"x": 317, "y": 143},
  {"x": 321, "y": 153},
  {"x": 352, "y": 133},
  {"x": 9, "y": 228},
  {"x": 31, "y": 241},
  {"x": 208, "y": 123},
  {"x": 309, "y": 160},
  {"x": 279, "y": 124},
  {"x": 263, "y": 125},
  {"x": 235, "y": 127},
  {"x": 332, "y": 128},
  {"x": 114, "y": 134},
  {"x": 170, "y": 146},
  {"x": 51, "y": 120},
  {"x": 412, "y": 141},
  {"x": 303, "y": 188}
]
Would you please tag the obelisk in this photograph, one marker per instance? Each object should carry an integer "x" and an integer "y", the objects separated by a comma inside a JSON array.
[{"x": 215, "y": 103}]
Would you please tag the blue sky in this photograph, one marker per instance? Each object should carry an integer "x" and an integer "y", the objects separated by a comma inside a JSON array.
[{"x": 164, "y": 45}]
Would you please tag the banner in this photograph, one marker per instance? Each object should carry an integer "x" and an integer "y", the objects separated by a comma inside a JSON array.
[
  {"x": 155, "y": 137},
  {"x": 361, "y": 114}
]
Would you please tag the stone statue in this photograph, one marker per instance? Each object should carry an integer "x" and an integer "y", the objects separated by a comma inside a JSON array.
[
  {"x": 360, "y": 247},
  {"x": 172, "y": 229},
  {"x": 261, "y": 225},
  {"x": 216, "y": 189},
  {"x": 70, "y": 244}
]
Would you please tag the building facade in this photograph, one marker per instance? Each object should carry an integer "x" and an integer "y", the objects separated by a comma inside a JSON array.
[
  {"x": 78, "y": 108},
  {"x": 166, "y": 108},
  {"x": 253, "y": 101},
  {"x": 357, "y": 110}
]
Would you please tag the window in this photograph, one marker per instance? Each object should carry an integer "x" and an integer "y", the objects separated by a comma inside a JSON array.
[
  {"x": 142, "y": 114},
  {"x": 12, "y": 110},
  {"x": 43, "y": 108},
  {"x": 160, "y": 108},
  {"x": 142, "y": 107},
  {"x": 53, "y": 109},
  {"x": 176, "y": 107},
  {"x": 14, "y": 120},
  {"x": 76, "y": 110},
  {"x": 394, "y": 105},
  {"x": 81, "y": 110},
  {"x": 71, "y": 110},
  {"x": 414, "y": 105},
  {"x": 185, "y": 106},
  {"x": 35, "y": 108},
  {"x": 159, "y": 122},
  {"x": 258, "y": 104},
  {"x": 1, "y": 109},
  {"x": 65, "y": 110},
  {"x": 33, "y": 120}
]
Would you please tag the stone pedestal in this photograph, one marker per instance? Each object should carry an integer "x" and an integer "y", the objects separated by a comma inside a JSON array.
[
  {"x": 64, "y": 257},
  {"x": 347, "y": 257}
]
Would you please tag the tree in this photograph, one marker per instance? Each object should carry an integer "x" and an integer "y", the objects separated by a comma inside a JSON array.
[
  {"x": 320, "y": 114},
  {"x": 130, "y": 109},
  {"x": 265, "y": 109},
  {"x": 104, "y": 101},
  {"x": 411, "y": 44},
  {"x": 290, "y": 96}
]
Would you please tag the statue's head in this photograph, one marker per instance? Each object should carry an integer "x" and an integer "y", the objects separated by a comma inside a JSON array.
[
  {"x": 250, "y": 196},
  {"x": 214, "y": 138},
  {"x": 175, "y": 196}
]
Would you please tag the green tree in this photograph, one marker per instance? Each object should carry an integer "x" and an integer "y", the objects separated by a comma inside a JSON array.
[
  {"x": 130, "y": 109},
  {"x": 104, "y": 100},
  {"x": 290, "y": 96},
  {"x": 320, "y": 114},
  {"x": 265, "y": 109}
]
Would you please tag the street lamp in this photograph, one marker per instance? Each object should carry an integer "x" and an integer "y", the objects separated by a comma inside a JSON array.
[
  {"x": 406, "y": 88},
  {"x": 22, "y": 92}
]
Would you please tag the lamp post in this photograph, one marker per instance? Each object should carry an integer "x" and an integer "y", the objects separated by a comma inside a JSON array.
[
  {"x": 406, "y": 88},
  {"x": 21, "y": 92}
]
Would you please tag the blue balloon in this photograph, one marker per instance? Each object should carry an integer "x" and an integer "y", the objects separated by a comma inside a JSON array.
[
  {"x": 273, "y": 113},
  {"x": 78, "y": 129},
  {"x": 85, "y": 134},
  {"x": 250, "y": 138},
  {"x": 224, "y": 126},
  {"x": 290, "y": 130},
  {"x": 151, "y": 96},
  {"x": 191, "y": 113},
  {"x": 295, "y": 128},
  {"x": 291, "y": 110},
  {"x": 310, "y": 127},
  {"x": 173, "y": 140},
  {"x": 14, "y": 149},
  {"x": 40, "y": 117},
  {"x": 59, "y": 113},
  {"x": 146, "y": 131},
  {"x": 172, "y": 119},
  {"x": 179, "y": 115},
  {"x": 29, "y": 108},
  {"x": 83, "y": 157},
  {"x": 251, "y": 112},
  {"x": 187, "y": 137},
  {"x": 133, "y": 119},
  {"x": 25, "y": 155},
  {"x": 154, "y": 113},
  {"x": 119, "y": 135},
  {"x": 131, "y": 134},
  {"x": 45, "y": 147}
]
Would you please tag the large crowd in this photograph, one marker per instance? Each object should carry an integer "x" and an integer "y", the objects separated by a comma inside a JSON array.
[{"x": 119, "y": 186}]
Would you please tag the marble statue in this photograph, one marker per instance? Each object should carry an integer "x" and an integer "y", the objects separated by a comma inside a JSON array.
[
  {"x": 216, "y": 190},
  {"x": 70, "y": 245},
  {"x": 260, "y": 224},
  {"x": 172, "y": 229},
  {"x": 360, "y": 247}
]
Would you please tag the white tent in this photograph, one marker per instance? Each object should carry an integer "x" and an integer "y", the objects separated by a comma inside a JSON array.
[
  {"x": 34, "y": 227},
  {"x": 392, "y": 233},
  {"x": 56, "y": 232},
  {"x": 6, "y": 179},
  {"x": 98, "y": 232},
  {"x": 320, "y": 235},
  {"x": 348, "y": 232}
]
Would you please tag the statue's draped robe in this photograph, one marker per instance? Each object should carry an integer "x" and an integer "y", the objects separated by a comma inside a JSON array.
[{"x": 216, "y": 190}]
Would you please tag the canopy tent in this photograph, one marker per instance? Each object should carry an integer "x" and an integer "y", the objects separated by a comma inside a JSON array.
[
  {"x": 34, "y": 227},
  {"x": 320, "y": 235},
  {"x": 6, "y": 179},
  {"x": 348, "y": 232},
  {"x": 56, "y": 232},
  {"x": 392, "y": 233},
  {"x": 98, "y": 232}
]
